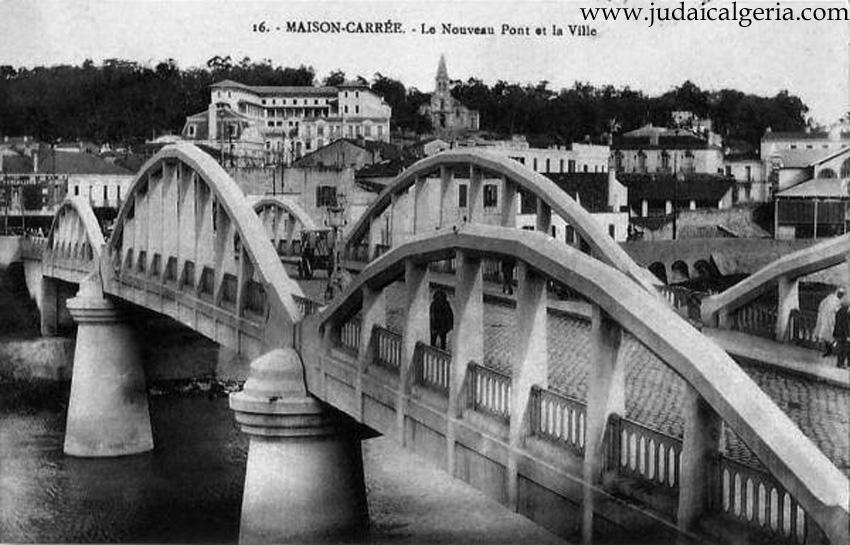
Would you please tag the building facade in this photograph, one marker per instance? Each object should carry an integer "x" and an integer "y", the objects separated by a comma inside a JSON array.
[
  {"x": 447, "y": 114},
  {"x": 659, "y": 150},
  {"x": 281, "y": 124}
]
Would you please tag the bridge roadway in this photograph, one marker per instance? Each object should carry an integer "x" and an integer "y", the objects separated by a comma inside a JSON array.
[{"x": 655, "y": 394}]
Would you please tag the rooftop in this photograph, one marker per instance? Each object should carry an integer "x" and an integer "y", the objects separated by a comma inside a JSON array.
[
  {"x": 588, "y": 188},
  {"x": 697, "y": 187},
  {"x": 273, "y": 90},
  {"x": 817, "y": 187}
]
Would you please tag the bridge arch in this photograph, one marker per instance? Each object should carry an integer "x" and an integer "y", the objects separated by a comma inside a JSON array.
[
  {"x": 187, "y": 234},
  {"x": 282, "y": 217},
  {"x": 514, "y": 177},
  {"x": 74, "y": 242},
  {"x": 716, "y": 382},
  {"x": 785, "y": 273}
]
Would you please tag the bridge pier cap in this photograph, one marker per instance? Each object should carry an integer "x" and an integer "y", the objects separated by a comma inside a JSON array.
[
  {"x": 304, "y": 475},
  {"x": 108, "y": 409}
]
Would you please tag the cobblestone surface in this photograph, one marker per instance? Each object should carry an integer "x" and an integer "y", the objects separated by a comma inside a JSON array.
[{"x": 654, "y": 393}]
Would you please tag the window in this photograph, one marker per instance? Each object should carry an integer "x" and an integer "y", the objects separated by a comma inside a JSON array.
[
  {"x": 191, "y": 130},
  {"x": 316, "y": 101},
  {"x": 554, "y": 231},
  {"x": 584, "y": 168},
  {"x": 356, "y": 109},
  {"x": 346, "y": 94},
  {"x": 845, "y": 169},
  {"x": 491, "y": 195},
  {"x": 728, "y": 170},
  {"x": 263, "y": 102},
  {"x": 461, "y": 196},
  {"x": 105, "y": 193},
  {"x": 380, "y": 131},
  {"x": 534, "y": 163},
  {"x": 527, "y": 202},
  {"x": 561, "y": 166},
  {"x": 76, "y": 191},
  {"x": 356, "y": 94},
  {"x": 345, "y": 108},
  {"x": 612, "y": 231},
  {"x": 547, "y": 166},
  {"x": 665, "y": 160},
  {"x": 118, "y": 192},
  {"x": 320, "y": 130},
  {"x": 749, "y": 172},
  {"x": 571, "y": 165},
  {"x": 368, "y": 130},
  {"x": 826, "y": 173},
  {"x": 325, "y": 195}
]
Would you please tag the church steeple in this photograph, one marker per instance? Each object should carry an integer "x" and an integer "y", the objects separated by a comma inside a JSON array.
[{"x": 442, "y": 76}]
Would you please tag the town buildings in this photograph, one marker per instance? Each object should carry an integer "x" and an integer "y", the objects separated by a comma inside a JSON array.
[
  {"x": 814, "y": 200},
  {"x": 271, "y": 124}
]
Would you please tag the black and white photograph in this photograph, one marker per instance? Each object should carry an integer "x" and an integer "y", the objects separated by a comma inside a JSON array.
[{"x": 470, "y": 272}]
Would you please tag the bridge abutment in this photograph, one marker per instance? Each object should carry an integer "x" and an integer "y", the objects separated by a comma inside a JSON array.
[
  {"x": 304, "y": 475},
  {"x": 108, "y": 410}
]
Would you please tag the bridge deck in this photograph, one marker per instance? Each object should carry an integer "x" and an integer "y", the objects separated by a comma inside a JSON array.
[{"x": 655, "y": 394}]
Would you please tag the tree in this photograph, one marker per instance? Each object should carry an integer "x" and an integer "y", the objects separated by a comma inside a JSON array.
[{"x": 336, "y": 77}]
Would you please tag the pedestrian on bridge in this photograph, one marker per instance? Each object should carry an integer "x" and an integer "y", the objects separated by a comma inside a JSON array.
[
  {"x": 442, "y": 319},
  {"x": 841, "y": 332},
  {"x": 826, "y": 320}
]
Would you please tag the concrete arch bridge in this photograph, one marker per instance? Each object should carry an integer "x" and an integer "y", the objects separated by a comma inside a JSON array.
[{"x": 188, "y": 245}]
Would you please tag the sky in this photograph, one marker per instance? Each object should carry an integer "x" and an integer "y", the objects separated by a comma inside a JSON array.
[{"x": 810, "y": 59}]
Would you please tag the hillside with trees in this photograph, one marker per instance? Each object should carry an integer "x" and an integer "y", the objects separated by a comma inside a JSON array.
[{"x": 126, "y": 102}]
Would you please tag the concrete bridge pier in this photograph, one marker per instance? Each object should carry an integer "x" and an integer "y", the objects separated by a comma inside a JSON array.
[
  {"x": 304, "y": 475},
  {"x": 53, "y": 311},
  {"x": 108, "y": 410}
]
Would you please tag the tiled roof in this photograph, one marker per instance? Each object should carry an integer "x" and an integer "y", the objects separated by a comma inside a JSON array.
[
  {"x": 76, "y": 163},
  {"x": 268, "y": 90},
  {"x": 17, "y": 164},
  {"x": 698, "y": 187},
  {"x": 591, "y": 188},
  {"x": 817, "y": 187}
]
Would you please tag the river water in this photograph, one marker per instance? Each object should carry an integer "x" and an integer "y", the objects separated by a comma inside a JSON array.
[{"x": 189, "y": 489}]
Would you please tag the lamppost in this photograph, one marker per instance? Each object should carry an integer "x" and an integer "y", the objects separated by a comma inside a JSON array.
[
  {"x": 336, "y": 221},
  {"x": 679, "y": 177}
]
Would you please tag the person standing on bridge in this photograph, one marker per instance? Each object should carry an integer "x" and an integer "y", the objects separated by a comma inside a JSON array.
[
  {"x": 442, "y": 319},
  {"x": 826, "y": 320},
  {"x": 841, "y": 332}
]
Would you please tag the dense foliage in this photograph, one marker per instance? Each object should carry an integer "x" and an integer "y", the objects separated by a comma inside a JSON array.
[
  {"x": 585, "y": 110},
  {"x": 124, "y": 102}
]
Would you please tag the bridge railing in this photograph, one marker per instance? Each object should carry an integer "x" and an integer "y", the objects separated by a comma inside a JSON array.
[
  {"x": 644, "y": 453},
  {"x": 32, "y": 247},
  {"x": 650, "y": 458},
  {"x": 753, "y": 497},
  {"x": 432, "y": 367},
  {"x": 755, "y": 319},
  {"x": 558, "y": 418},
  {"x": 489, "y": 391},
  {"x": 801, "y": 328},
  {"x": 349, "y": 335},
  {"x": 387, "y": 347},
  {"x": 306, "y": 305}
]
